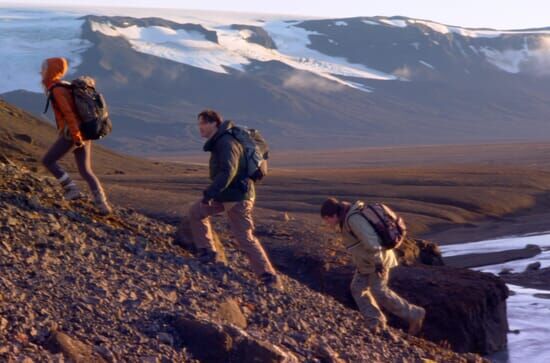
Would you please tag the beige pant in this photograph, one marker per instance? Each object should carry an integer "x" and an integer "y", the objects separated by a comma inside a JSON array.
[
  {"x": 242, "y": 226},
  {"x": 371, "y": 293}
]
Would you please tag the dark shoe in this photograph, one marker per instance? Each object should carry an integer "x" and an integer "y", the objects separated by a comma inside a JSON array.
[
  {"x": 271, "y": 281},
  {"x": 206, "y": 255},
  {"x": 71, "y": 192},
  {"x": 415, "y": 324}
]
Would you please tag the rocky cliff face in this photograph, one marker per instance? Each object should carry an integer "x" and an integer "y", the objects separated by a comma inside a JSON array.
[
  {"x": 465, "y": 309},
  {"x": 77, "y": 286}
]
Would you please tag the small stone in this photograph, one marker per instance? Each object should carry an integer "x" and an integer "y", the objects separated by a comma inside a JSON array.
[
  {"x": 149, "y": 359},
  {"x": 286, "y": 217},
  {"x": 105, "y": 353},
  {"x": 166, "y": 338},
  {"x": 230, "y": 312},
  {"x": 24, "y": 137},
  {"x": 34, "y": 203},
  {"x": 3, "y": 324},
  {"x": 535, "y": 266},
  {"x": 5, "y": 160}
]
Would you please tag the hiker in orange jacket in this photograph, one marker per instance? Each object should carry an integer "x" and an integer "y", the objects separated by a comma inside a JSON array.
[{"x": 70, "y": 138}]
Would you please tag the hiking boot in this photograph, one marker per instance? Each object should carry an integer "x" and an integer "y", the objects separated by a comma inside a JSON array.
[
  {"x": 415, "y": 324},
  {"x": 71, "y": 192},
  {"x": 101, "y": 203},
  {"x": 206, "y": 255},
  {"x": 271, "y": 281}
]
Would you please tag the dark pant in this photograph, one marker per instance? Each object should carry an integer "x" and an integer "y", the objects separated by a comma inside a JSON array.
[{"x": 83, "y": 158}]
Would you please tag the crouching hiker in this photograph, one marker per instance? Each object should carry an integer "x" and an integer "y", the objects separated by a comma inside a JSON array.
[
  {"x": 232, "y": 191},
  {"x": 70, "y": 139},
  {"x": 368, "y": 240}
]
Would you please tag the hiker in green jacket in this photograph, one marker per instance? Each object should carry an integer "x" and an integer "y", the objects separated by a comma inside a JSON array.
[
  {"x": 232, "y": 191},
  {"x": 370, "y": 283}
]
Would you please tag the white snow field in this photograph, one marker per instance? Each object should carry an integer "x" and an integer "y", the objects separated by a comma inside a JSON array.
[
  {"x": 28, "y": 37},
  {"x": 235, "y": 51},
  {"x": 528, "y": 314}
]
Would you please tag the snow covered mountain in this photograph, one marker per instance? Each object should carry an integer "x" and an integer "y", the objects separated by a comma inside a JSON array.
[{"x": 307, "y": 83}]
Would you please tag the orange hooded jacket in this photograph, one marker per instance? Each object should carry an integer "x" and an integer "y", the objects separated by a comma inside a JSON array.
[{"x": 63, "y": 102}]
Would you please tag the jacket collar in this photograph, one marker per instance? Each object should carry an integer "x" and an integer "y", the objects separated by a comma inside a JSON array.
[{"x": 222, "y": 129}]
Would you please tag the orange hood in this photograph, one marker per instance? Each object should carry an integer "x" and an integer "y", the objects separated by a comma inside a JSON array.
[{"x": 55, "y": 70}]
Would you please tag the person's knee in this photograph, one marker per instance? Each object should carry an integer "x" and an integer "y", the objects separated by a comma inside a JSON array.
[
  {"x": 357, "y": 287},
  {"x": 356, "y": 290}
]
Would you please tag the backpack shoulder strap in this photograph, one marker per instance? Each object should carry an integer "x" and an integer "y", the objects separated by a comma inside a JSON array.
[
  {"x": 50, "y": 97},
  {"x": 346, "y": 221},
  {"x": 347, "y": 225},
  {"x": 362, "y": 212}
]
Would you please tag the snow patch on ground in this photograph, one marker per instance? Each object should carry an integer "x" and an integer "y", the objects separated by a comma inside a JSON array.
[
  {"x": 340, "y": 23},
  {"x": 508, "y": 60},
  {"x": 369, "y": 22},
  {"x": 473, "y": 33},
  {"x": 293, "y": 42},
  {"x": 426, "y": 64},
  {"x": 394, "y": 22},
  {"x": 29, "y": 37},
  {"x": 534, "y": 58}
]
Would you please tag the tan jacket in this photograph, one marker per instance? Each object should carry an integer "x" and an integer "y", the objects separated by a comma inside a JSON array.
[{"x": 365, "y": 250}]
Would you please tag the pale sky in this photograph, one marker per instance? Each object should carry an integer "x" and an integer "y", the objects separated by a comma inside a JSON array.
[{"x": 501, "y": 14}]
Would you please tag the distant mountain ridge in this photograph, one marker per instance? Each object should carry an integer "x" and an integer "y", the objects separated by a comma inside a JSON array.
[{"x": 307, "y": 83}]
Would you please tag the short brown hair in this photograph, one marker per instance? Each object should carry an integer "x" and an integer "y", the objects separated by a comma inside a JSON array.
[
  {"x": 211, "y": 116},
  {"x": 330, "y": 207}
]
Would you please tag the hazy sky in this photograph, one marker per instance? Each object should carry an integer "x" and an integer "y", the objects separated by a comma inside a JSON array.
[{"x": 473, "y": 13}]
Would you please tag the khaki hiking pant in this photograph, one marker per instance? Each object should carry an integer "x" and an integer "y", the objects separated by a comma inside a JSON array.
[
  {"x": 242, "y": 226},
  {"x": 371, "y": 293}
]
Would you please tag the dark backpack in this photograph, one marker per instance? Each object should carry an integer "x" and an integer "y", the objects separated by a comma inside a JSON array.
[
  {"x": 256, "y": 151},
  {"x": 389, "y": 226},
  {"x": 90, "y": 105}
]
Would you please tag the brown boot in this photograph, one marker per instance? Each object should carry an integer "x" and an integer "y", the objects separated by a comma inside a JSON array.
[
  {"x": 415, "y": 324},
  {"x": 272, "y": 281}
]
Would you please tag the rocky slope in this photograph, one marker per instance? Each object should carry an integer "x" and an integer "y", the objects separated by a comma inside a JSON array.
[{"x": 86, "y": 288}]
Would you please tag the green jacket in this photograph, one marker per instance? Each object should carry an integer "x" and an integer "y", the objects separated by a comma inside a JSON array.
[
  {"x": 365, "y": 250},
  {"x": 230, "y": 182}
]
